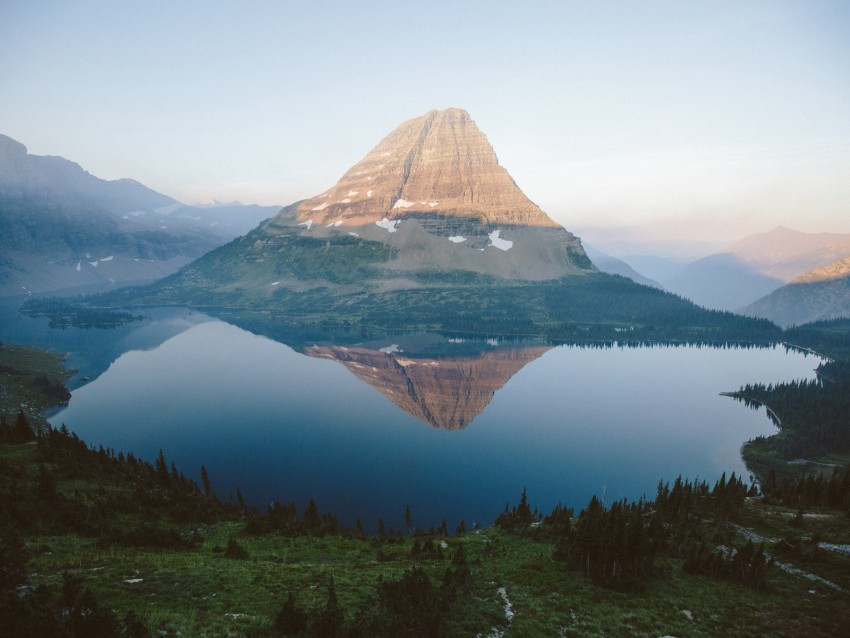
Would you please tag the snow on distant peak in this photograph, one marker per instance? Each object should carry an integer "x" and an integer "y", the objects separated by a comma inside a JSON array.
[
  {"x": 321, "y": 206},
  {"x": 391, "y": 349},
  {"x": 352, "y": 193},
  {"x": 308, "y": 224},
  {"x": 498, "y": 242},
  {"x": 457, "y": 239},
  {"x": 345, "y": 201},
  {"x": 391, "y": 226},
  {"x": 110, "y": 258},
  {"x": 402, "y": 203},
  {"x": 369, "y": 193}
]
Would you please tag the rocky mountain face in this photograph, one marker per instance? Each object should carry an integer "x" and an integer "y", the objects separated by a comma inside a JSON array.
[
  {"x": 429, "y": 205},
  {"x": 836, "y": 270},
  {"x": 448, "y": 392},
  {"x": 821, "y": 293},
  {"x": 437, "y": 165},
  {"x": 63, "y": 228},
  {"x": 755, "y": 266},
  {"x": 433, "y": 191}
]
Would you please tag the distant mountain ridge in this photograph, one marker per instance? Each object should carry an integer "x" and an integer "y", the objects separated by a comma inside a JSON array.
[
  {"x": 755, "y": 266},
  {"x": 62, "y": 228},
  {"x": 821, "y": 293},
  {"x": 615, "y": 266},
  {"x": 46, "y": 178},
  {"x": 835, "y": 270}
]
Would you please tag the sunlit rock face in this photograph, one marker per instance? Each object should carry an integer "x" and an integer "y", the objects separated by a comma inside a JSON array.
[
  {"x": 818, "y": 295},
  {"x": 437, "y": 164},
  {"x": 433, "y": 192},
  {"x": 446, "y": 392}
]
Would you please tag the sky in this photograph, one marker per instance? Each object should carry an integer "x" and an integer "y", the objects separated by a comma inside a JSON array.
[{"x": 680, "y": 126}]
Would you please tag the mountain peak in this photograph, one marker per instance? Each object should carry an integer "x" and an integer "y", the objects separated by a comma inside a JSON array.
[
  {"x": 8, "y": 146},
  {"x": 437, "y": 164}
]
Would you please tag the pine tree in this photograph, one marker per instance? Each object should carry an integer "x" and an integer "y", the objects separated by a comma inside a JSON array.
[
  {"x": 291, "y": 620},
  {"x": 22, "y": 431},
  {"x": 162, "y": 475},
  {"x": 408, "y": 519},
  {"x": 312, "y": 521},
  {"x": 328, "y": 621},
  {"x": 205, "y": 481}
]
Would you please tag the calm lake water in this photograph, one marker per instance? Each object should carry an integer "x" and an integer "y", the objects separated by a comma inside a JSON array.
[{"x": 453, "y": 428}]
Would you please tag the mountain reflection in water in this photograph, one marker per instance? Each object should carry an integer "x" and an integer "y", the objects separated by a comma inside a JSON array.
[{"x": 448, "y": 392}]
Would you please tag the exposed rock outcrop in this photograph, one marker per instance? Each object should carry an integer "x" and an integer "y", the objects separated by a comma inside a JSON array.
[
  {"x": 434, "y": 193},
  {"x": 439, "y": 164}
]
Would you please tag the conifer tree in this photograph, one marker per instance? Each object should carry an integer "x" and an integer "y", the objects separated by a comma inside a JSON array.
[
  {"x": 328, "y": 622},
  {"x": 408, "y": 519},
  {"x": 205, "y": 481}
]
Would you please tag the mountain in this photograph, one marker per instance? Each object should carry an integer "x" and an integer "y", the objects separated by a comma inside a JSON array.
[
  {"x": 445, "y": 392},
  {"x": 655, "y": 267},
  {"x": 427, "y": 232},
  {"x": 63, "y": 228},
  {"x": 755, "y": 266},
  {"x": 430, "y": 204},
  {"x": 434, "y": 194},
  {"x": 836, "y": 270},
  {"x": 723, "y": 281},
  {"x": 821, "y": 293},
  {"x": 614, "y": 266}
]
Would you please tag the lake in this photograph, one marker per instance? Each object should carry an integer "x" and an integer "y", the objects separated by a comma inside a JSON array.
[{"x": 453, "y": 427}]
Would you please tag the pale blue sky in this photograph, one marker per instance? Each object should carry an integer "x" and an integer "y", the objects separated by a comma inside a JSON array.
[{"x": 695, "y": 121}]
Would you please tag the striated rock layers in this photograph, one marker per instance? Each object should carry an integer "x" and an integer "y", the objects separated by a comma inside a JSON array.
[
  {"x": 437, "y": 164},
  {"x": 447, "y": 392},
  {"x": 434, "y": 194}
]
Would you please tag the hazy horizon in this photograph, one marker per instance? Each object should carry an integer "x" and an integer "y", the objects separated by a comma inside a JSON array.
[{"x": 696, "y": 124}]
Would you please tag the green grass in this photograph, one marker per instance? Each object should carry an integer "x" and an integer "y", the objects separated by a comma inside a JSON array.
[{"x": 31, "y": 379}]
